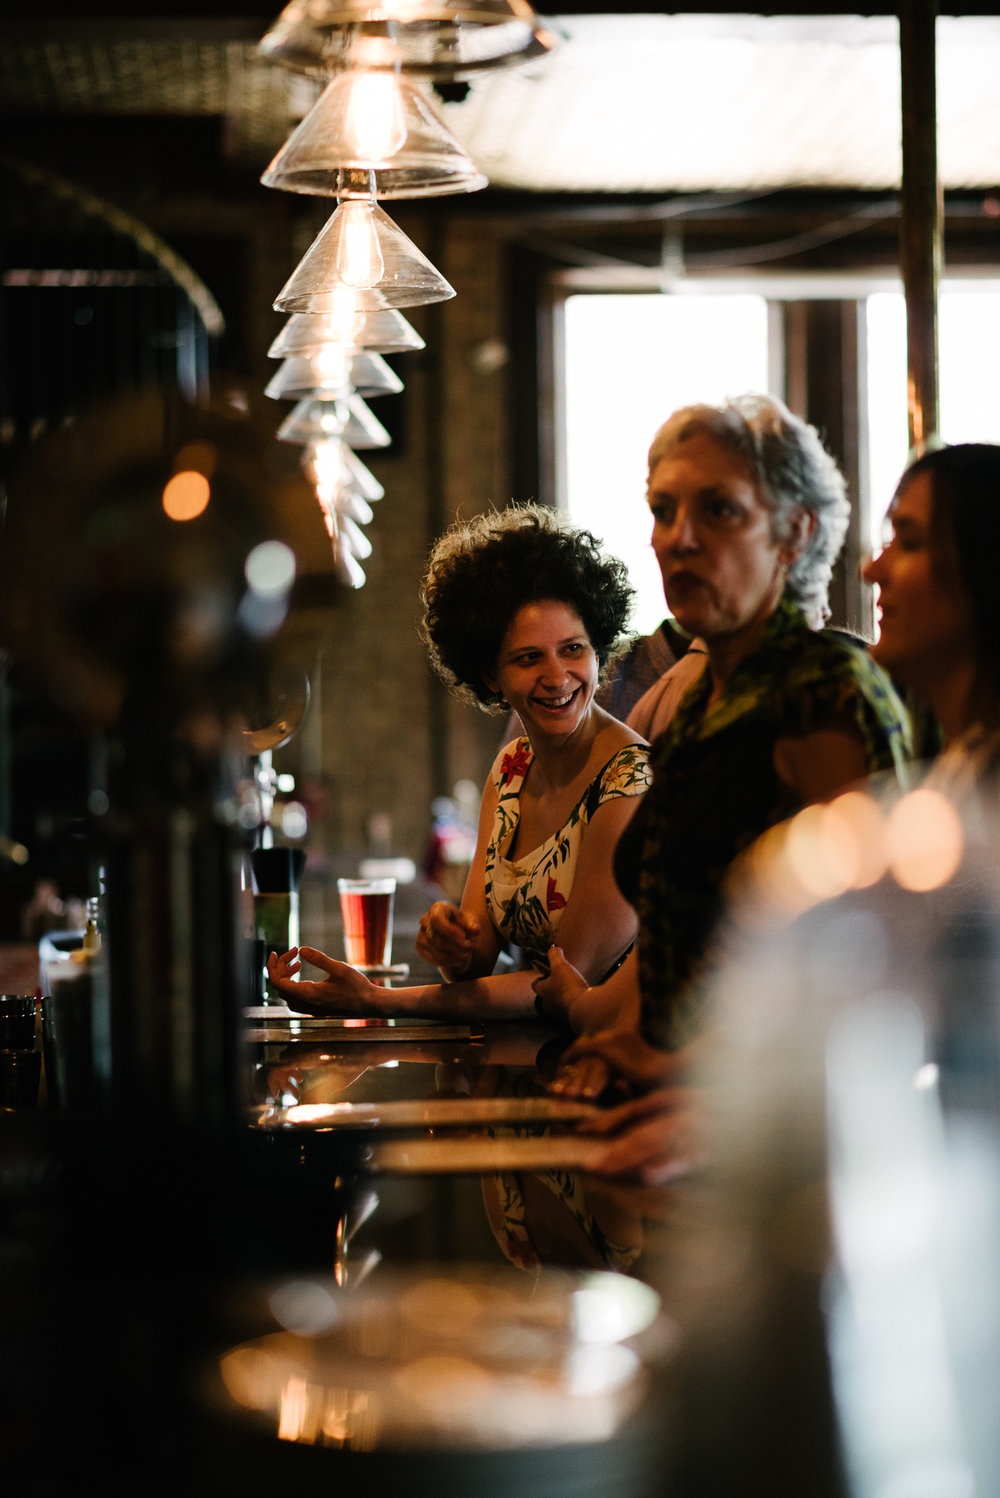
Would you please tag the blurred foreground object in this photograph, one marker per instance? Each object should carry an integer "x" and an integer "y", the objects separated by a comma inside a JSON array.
[
  {"x": 842, "y": 1327},
  {"x": 144, "y": 581}
]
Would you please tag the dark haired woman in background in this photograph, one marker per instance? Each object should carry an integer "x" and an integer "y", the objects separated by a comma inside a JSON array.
[
  {"x": 936, "y": 579},
  {"x": 520, "y": 613}
]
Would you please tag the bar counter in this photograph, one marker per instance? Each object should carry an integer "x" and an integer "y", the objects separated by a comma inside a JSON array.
[{"x": 374, "y": 1163}]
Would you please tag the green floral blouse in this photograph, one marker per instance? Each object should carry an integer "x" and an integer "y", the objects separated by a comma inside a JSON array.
[
  {"x": 715, "y": 790},
  {"x": 527, "y": 895}
]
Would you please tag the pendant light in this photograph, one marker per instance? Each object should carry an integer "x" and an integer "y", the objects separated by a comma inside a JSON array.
[
  {"x": 350, "y": 419},
  {"x": 333, "y": 370},
  {"x": 361, "y": 249},
  {"x": 384, "y": 332},
  {"x": 373, "y": 131},
  {"x": 438, "y": 39}
]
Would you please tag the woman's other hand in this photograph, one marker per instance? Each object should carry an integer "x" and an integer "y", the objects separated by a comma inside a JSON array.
[
  {"x": 558, "y": 989},
  {"x": 343, "y": 991},
  {"x": 613, "y": 1060},
  {"x": 447, "y": 939},
  {"x": 654, "y": 1140}
]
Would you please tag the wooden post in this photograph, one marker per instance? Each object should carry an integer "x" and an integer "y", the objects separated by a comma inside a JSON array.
[{"x": 922, "y": 215}]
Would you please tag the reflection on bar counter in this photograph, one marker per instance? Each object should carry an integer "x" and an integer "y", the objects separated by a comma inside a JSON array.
[{"x": 443, "y": 1357}]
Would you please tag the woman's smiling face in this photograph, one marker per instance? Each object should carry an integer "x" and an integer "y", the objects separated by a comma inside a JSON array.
[{"x": 547, "y": 668}]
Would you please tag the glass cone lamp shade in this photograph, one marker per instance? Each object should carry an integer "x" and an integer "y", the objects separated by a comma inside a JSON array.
[
  {"x": 312, "y": 420},
  {"x": 384, "y": 332},
  {"x": 352, "y": 538},
  {"x": 354, "y": 507},
  {"x": 330, "y": 464},
  {"x": 442, "y": 40},
  {"x": 331, "y": 371},
  {"x": 360, "y": 248},
  {"x": 342, "y": 503},
  {"x": 342, "y": 530},
  {"x": 370, "y": 124},
  {"x": 349, "y": 543},
  {"x": 346, "y": 566}
]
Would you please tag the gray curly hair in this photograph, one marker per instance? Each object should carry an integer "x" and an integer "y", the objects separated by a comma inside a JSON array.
[{"x": 793, "y": 472}]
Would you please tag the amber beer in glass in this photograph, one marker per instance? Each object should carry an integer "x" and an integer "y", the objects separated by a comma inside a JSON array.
[{"x": 366, "y": 907}]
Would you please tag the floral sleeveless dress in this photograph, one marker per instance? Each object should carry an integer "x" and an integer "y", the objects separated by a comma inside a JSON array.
[{"x": 527, "y": 895}]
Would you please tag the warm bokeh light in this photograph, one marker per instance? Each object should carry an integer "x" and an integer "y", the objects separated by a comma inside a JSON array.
[
  {"x": 855, "y": 823},
  {"x": 821, "y": 855},
  {"x": 822, "y": 852},
  {"x": 311, "y": 1113},
  {"x": 293, "y": 1411},
  {"x": 186, "y": 495},
  {"x": 925, "y": 840}
]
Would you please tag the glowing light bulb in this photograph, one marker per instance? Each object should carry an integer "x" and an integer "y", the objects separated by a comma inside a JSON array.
[
  {"x": 329, "y": 513},
  {"x": 342, "y": 317},
  {"x": 374, "y": 124},
  {"x": 359, "y": 256},
  {"x": 324, "y": 465},
  {"x": 333, "y": 362}
]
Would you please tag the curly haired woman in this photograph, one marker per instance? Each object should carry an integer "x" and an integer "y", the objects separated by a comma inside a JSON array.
[{"x": 520, "y": 613}]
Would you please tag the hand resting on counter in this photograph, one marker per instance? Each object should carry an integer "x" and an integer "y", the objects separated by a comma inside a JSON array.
[
  {"x": 652, "y": 1140},
  {"x": 343, "y": 991}
]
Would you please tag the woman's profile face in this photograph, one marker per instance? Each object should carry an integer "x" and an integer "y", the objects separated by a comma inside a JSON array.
[
  {"x": 926, "y": 629},
  {"x": 721, "y": 567}
]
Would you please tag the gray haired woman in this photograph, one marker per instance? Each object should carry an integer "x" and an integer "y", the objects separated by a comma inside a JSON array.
[{"x": 749, "y": 513}]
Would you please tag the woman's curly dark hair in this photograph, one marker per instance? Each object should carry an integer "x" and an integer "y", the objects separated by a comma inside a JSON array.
[{"x": 481, "y": 573}]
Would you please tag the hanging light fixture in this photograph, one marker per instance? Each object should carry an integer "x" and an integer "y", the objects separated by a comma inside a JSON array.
[
  {"x": 340, "y": 527},
  {"x": 346, "y": 566},
  {"x": 352, "y": 505},
  {"x": 333, "y": 370},
  {"x": 352, "y": 538},
  {"x": 310, "y": 420},
  {"x": 362, "y": 250},
  {"x": 349, "y": 542},
  {"x": 371, "y": 134},
  {"x": 373, "y": 125},
  {"x": 330, "y": 461},
  {"x": 331, "y": 465},
  {"x": 336, "y": 474},
  {"x": 384, "y": 332},
  {"x": 442, "y": 40}
]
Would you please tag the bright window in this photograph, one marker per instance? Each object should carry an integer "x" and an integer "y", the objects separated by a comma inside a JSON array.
[
  {"x": 630, "y": 360},
  {"x": 969, "y": 376}
]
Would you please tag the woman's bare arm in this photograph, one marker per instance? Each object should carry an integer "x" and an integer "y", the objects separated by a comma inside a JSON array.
[{"x": 818, "y": 766}]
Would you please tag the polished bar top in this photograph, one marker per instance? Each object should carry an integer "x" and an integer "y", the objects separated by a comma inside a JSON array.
[{"x": 457, "y": 1124}]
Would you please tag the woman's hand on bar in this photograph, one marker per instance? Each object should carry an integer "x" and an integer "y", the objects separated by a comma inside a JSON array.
[
  {"x": 343, "y": 991},
  {"x": 654, "y": 1139},
  {"x": 621, "y": 1060}
]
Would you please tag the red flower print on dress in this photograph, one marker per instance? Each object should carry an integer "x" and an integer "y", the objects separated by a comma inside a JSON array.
[
  {"x": 553, "y": 899},
  {"x": 513, "y": 765}
]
